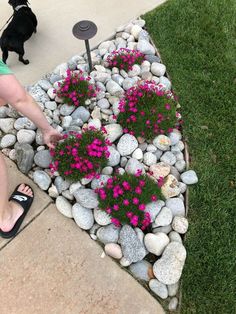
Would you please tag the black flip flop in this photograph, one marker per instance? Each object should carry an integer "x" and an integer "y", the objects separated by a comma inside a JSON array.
[{"x": 25, "y": 201}]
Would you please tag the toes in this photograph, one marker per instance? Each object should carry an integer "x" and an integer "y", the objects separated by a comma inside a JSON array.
[{"x": 23, "y": 188}]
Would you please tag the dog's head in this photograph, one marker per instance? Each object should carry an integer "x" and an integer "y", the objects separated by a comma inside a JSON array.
[{"x": 15, "y": 3}]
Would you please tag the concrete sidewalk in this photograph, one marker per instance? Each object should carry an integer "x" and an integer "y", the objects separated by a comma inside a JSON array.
[
  {"x": 52, "y": 266},
  {"x": 54, "y": 42}
]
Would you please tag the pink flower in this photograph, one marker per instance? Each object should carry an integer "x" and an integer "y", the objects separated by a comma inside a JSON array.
[
  {"x": 167, "y": 106},
  {"x": 138, "y": 190},
  {"x": 116, "y": 222},
  {"x": 142, "y": 207},
  {"x": 153, "y": 198},
  {"x": 134, "y": 220},
  {"x": 135, "y": 201},
  {"x": 116, "y": 207},
  {"x": 126, "y": 202}
]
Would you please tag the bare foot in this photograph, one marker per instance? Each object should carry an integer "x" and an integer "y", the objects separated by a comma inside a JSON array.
[{"x": 15, "y": 210}]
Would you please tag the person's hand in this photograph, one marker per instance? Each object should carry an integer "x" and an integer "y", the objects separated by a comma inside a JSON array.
[{"x": 51, "y": 136}]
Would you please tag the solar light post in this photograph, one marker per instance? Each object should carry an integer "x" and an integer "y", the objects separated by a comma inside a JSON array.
[{"x": 85, "y": 30}]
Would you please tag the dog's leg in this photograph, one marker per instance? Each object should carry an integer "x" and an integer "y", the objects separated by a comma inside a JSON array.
[
  {"x": 21, "y": 53},
  {"x": 4, "y": 55}
]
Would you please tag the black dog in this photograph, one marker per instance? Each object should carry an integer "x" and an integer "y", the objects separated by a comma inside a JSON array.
[{"x": 20, "y": 29}]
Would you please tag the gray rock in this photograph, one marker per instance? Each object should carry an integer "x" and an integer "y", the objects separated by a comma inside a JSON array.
[
  {"x": 103, "y": 103},
  {"x": 24, "y": 157},
  {"x": 175, "y": 137},
  {"x": 173, "y": 289},
  {"x": 180, "y": 224},
  {"x": 141, "y": 270},
  {"x": 7, "y": 140},
  {"x": 173, "y": 304},
  {"x": 149, "y": 159},
  {"x": 52, "y": 191},
  {"x": 25, "y": 136},
  {"x": 114, "y": 158},
  {"x": 100, "y": 182},
  {"x": 64, "y": 206},
  {"x": 39, "y": 137},
  {"x": 61, "y": 184},
  {"x": 143, "y": 35},
  {"x": 158, "y": 288},
  {"x": 107, "y": 170},
  {"x": 152, "y": 58},
  {"x": 83, "y": 216},
  {"x": 81, "y": 113},
  {"x": 3, "y": 112},
  {"x": 7, "y": 124},
  {"x": 123, "y": 161},
  {"x": 118, "y": 79},
  {"x": 156, "y": 243},
  {"x": 42, "y": 179},
  {"x": 183, "y": 187},
  {"x": 51, "y": 105},
  {"x": 87, "y": 198},
  {"x": 176, "y": 205},
  {"x": 180, "y": 165},
  {"x": 189, "y": 177},
  {"x": 43, "y": 158},
  {"x": 101, "y": 217},
  {"x": 114, "y": 131},
  {"x": 128, "y": 83},
  {"x": 133, "y": 165},
  {"x": 44, "y": 84},
  {"x": 174, "y": 236},
  {"x": 113, "y": 88},
  {"x": 175, "y": 173},
  {"x": 108, "y": 234},
  {"x": 74, "y": 187},
  {"x": 24, "y": 123},
  {"x": 68, "y": 195},
  {"x": 145, "y": 47},
  {"x": 133, "y": 250},
  {"x": 164, "y": 218},
  {"x": 127, "y": 144},
  {"x": 164, "y": 229},
  {"x": 158, "y": 69},
  {"x": 168, "y": 158},
  {"x": 66, "y": 110},
  {"x": 168, "y": 268},
  {"x": 154, "y": 208}
]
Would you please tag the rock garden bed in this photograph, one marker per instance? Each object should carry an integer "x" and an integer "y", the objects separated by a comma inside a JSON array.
[{"x": 120, "y": 171}]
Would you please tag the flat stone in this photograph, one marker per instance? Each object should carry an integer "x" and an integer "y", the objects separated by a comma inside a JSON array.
[
  {"x": 158, "y": 288},
  {"x": 64, "y": 206},
  {"x": 83, "y": 216},
  {"x": 132, "y": 248},
  {"x": 168, "y": 268},
  {"x": 156, "y": 243},
  {"x": 87, "y": 198},
  {"x": 142, "y": 270}
]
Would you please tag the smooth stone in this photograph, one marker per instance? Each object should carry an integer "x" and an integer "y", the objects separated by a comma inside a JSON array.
[
  {"x": 74, "y": 187},
  {"x": 81, "y": 113},
  {"x": 175, "y": 173},
  {"x": 51, "y": 105},
  {"x": 113, "y": 250},
  {"x": 24, "y": 157},
  {"x": 95, "y": 123},
  {"x": 173, "y": 289},
  {"x": 162, "y": 142},
  {"x": 176, "y": 205},
  {"x": 87, "y": 198},
  {"x": 123, "y": 161},
  {"x": 127, "y": 144},
  {"x": 145, "y": 47},
  {"x": 42, "y": 179},
  {"x": 143, "y": 35},
  {"x": 114, "y": 131},
  {"x": 52, "y": 191},
  {"x": 164, "y": 218},
  {"x": 132, "y": 248},
  {"x": 180, "y": 165},
  {"x": 3, "y": 112},
  {"x": 189, "y": 177},
  {"x": 173, "y": 304},
  {"x": 114, "y": 157},
  {"x": 180, "y": 224},
  {"x": 101, "y": 217},
  {"x": 170, "y": 188},
  {"x": 7, "y": 140},
  {"x": 128, "y": 83},
  {"x": 94, "y": 229},
  {"x": 118, "y": 79},
  {"x": 43, "y": 158},
  {"x": 138, "y": 154},
  {"x": 108, "y": 234},
  {"x": 175, "y": 137},
  {"x": 25, "y": 136},
  {"x": 68, "y": 195},
  {"x": 152, "y": 58},
  {"x": 174, "y": 236},
  {"x": 158, "y": 69},
  {"x": 154, "y": 208},
  {"x": 7, "y": 124},
  {"x": 64, "y": 206},
  {"x": 24, "y": 123},
  {"x": 124, "y": 262},
  {"x": 158, "y": 288},
  {"x": 156, "y": 243},
  {"x": 100, "y": 182},
  {"x": 66, "y": 121},
  {"x": 103, "y": 103},
  {"x": 61, "y": 184},
  {"x": 149, "y": 159},
  {"x": 165, "y": 82},
  {"x": 135, "y": 71},
  {"x": 151, "y": 148},
  {"x": 66, "y": 110},
  {"x": 168, "y": 268},
  {"x": 83, "y": 216},
  {"x": 160, "y": 169},
  {"x": 113, "y": 88},
  {"x": 168, "y": 158},
  {"x": 135, "y": 30},
  {"x": 183, "y": 187},
  {"x": 133, "y": 165},
  {"x": 107, "y": 170},
  {"x": 164, "y": 229},
  {"x": 142, "y": 270}
]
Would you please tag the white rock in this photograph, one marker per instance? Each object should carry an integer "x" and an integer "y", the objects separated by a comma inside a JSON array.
[
  {"x": 158, "y": 69},
  {"x": 64, "y": 206},
  {"x": 26, "y": 136},
  {"x": 164, "y": 218},
  {"x": 7, "y": 140},
  {"x": 133, "y": 165},
  {"x": 174, "y": 236},
  {"x": 138, "y": 154},
  {"x": 154, "y": 208},
  {"x": 162, "y": 142},
  {"x": 158, "y": 288},
  {"x": 168, "y": 158},
  {"x": 170, "y": 188},
  {"x": 160, "y": 169},
  {"x": 114, "y": 131},
  {"x": 74, "y": 187},
  {"x": 156, "y": 243},
  {"x": 176, "y": 205},
  {"x": 113, "y": 88},
  {"x": 113, "y": 250},
  {"x": 7, "y": 125},
  {"x": 165, "y": 82},
  {"x": 189, "y": 177},
  {"x": 173, "y": 289},
  {"x": 149, "y": 159},
  {"x": 135, "y": 30},
  {"x": 173, "y": 304},
  {"x": 180, "y": 224},
  {"x": 127, "y": 144},
  {"x": 114, "y": 157},
  {"x": 83, "y": 216},
  {"x": 101, "y": 217},
  {"x": 145, "y": 47},
  {"x": 52, "y": 191}
]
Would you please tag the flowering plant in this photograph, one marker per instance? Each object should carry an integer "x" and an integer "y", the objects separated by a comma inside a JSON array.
[
  {"x": 80, "y": 155},
  {"x": 124, "y": 58},
  {"x": 125, "y": 198},
  {"x": 76, "y": 88},
  {"x": 147, "y": 110}
]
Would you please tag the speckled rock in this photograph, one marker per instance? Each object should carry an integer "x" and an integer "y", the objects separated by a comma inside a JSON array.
[{"x": 83, "y": 216}]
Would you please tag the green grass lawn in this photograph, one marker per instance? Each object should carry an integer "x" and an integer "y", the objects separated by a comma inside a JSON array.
[{"x": 196, "y": 40}]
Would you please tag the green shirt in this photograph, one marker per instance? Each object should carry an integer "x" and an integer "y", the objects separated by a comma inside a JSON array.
[{"x": 4, "y": 68}]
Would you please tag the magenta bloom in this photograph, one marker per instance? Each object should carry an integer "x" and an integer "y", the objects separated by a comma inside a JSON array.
[
  {"x": 126, "y": 202},
  {"x": 138, "y": 190}
]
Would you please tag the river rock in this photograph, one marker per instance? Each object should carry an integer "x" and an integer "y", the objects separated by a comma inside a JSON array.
[
  {"x": 24, "y": 157},
  {"x": 101, "y": 217},
  {"x": 64, "y": 206},
  {"x": 162, "y": 142},
  {"x": 43, "y": 158},
  {"x": 42, "y": 179},
  {"x": 160, "y": 169},
  {"x": 156, "y": 243},
  {"x": 7, "y": 140},
  {"x": 154, "y": 208},
  {"x": 158, "y": 288},
  {"x": 25, "y": 136},
  {"x": 164, "y": 218},
  {"x": 127, "y": 144},
  {"x": 180, "y": 224},
  {"x": 114, "y": 131},
  {"x": 189, "y": 177},
  {"x": 133, "y": 165},
  {"x": 87, "y": 198},
  {"x": 142, "y": 270},
  {"x": 113, "y": 250},
  {"x": 108, "y": 234},
  {"x": 114, "y": 157},
  {"x": 176, "y": 205},
  {"x": 83, "y": 216},
  {"x": 170, "y": 188}
]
